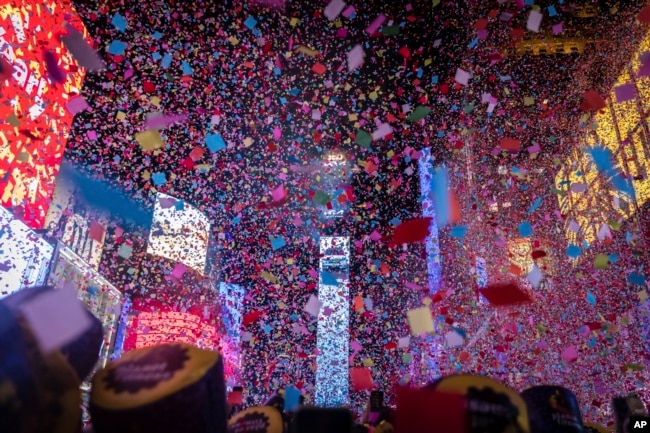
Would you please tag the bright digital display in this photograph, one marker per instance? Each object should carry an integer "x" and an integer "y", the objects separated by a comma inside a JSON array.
[
  {"x": 24, "y": 256},
  {"x": 179, "y": 233},
  {"x": 432, "y": 244},
  {"x": 617, "y": 127},
  {"x": 231, "y": 297},
  {"x": 162, "y": 327},
  {"x": 333, "y": 335},
  {"x": 333, "y": 179},
  {"x": 74, "y": 222},
  {"x": 36, "y": 122}
]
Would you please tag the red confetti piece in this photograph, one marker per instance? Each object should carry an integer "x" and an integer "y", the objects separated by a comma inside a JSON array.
[
  {"x": 411, "y": 231},
  {"x": 416, "y": 408},
  {"x": 319, "y": 68},
  {"x": 251, "y": 317},
  {"x": 538, "y": 254},
  {"x": 593, "y": 100},
  {"x": 510, "y": 144},
  {"x": 644, "y": 15},
  {"x": 505, "y": 294},
  {"x": 361, "y": 378}
]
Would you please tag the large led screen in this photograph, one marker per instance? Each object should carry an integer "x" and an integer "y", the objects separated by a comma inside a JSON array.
[
  {"x": 24, "y": 255},
  {"x": 35, "y": 120},
  {"x": 179, "y": 233}
]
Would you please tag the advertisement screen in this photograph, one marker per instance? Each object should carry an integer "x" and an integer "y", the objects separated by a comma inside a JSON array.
[
  {"x": 74, "y": 222},
  {"x": 152, "y": 323},
  {"x": 24, "y": 255},
  {"x": 36, "y": 120},
  {"x": 179, "y": 232}
]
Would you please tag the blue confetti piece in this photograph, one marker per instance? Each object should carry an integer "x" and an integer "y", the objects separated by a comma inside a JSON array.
[
  {"x": 291, "y": 398},
  {"x": 525, "y": 230},
  {"x": 215, "y": 142},
  {"x": 536, "y": 204},
  {"x": 636, "y": 279},
  {"x": 473, "y": 44},
  {"x": 157, "y": 35},
  {"x": 623, "y": 185},
  {"x": 551, "y": 11},
  {"x": 250, "y": 23},
  {"x": 591, "y": 298},
  {"x": 117, "y": 48},
  {"x": 278, "y": 243},
  {"x": 236, "y": 221},
  {"x": 458, "y": 231},
  {"x": 187, "y": 69},
  {"x": 159, "y": 179},
  {"x": 179, "y": 205},
  {"x": 602, "y": 158},
  {"x": 119, "y": 22},
  {"x": 328, "y": 279},
  {"x": 573, "y": 251},
  {"x": 440, "y": 188},
  {"x": 166, "y": 60}
]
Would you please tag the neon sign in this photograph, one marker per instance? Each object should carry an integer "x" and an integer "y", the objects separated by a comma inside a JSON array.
[{"x": 36, "y": 122}]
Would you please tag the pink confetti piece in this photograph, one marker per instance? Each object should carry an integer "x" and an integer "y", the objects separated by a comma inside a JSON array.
[
  {"x": 334, "y": 9},
  {"x": 570, "y": 354},
  {"x": 462, "y": 76},
  {"x": 56, "y": 318},
  {"x": 77, "y": 105},
  {"x": 355, "y": 57},
  {"x": 161, "y": 121},
  {"x": 376, "y": 23}
]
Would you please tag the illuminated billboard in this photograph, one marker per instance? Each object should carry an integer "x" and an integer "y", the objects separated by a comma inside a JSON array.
[
  {"x": 74, "y": 222},
  {"x": 585, "y": 195},
  {"x": 149, "y": 328},
  {"x": 34, "y": 112},
  {"x": 333, "y": 178},
  {"x": 24, "y": 256},
  {"x": 333, "y": 336},
  {"x": 179, "y": 233}
]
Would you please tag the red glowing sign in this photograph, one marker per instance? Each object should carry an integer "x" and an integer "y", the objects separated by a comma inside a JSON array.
[{"x": 34, "y": 121}]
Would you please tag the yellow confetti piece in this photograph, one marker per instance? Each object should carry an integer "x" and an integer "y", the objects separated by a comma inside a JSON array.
[
  {"x": 528, "y": 101},
  {"x": 643, "y": 295},
  {"x": 233, "y": 40},
  {"x": 269, "y": 277},
  {"x": 307, "y": 51},
  {"x": 294, "y": 22},
  {"x": 155, "y": 100},
  {"x": 353, "y": 117},
  {"x": 601, "y": 261},
  {"x": 248, "y": 141},
  {"x": 121, "y": 115},
  {"x": 149, "y": 140}
]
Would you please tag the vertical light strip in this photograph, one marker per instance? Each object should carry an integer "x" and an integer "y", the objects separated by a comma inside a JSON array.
[
  {"x": 432, "y": 245},
  {"x": 425, "y": 167},
  {"x": 333, "y": 338},
  {"x": 481, "y": 278},
  {"x": 231, "y": 298}
]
